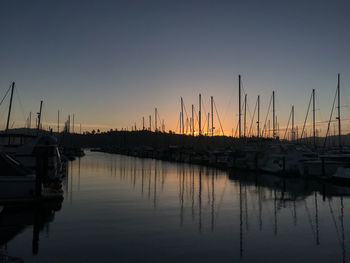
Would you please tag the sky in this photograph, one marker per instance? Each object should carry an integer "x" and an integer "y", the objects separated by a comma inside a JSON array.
[{"x": 112, "y": 62}]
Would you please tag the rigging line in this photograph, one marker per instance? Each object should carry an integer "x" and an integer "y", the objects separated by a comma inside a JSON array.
[
  {"x": 205, "y": 122},
  {"x": 318, "y": 107},
  {"x": 330, "y": 119},
  {"x": 177, "y": 125},
  {"x": 245, "y": 93},
  {"x": 5, "y": 95},
  {"x": 267, "y": 115},
  {"x": 223, "y": 134},
  {"x": 307, "y": 114},
  {"x": 290, "y": 115},
  {"x": 310, "y": 220},
  {"x": 20, "y": 101},
  {"x": 195, "y": 112},
  {"x": 236, "y": 130},
  {"x": 220, "y": 202},
  {"x": 227, "y": 107},
  {"x": 334, "y": 221},
  {"x": 251, "y": 123},
  {"x": 185, "y": 108}
]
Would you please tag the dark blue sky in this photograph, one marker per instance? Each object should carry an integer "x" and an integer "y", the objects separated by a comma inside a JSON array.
[{"x": 111, "y": 62}]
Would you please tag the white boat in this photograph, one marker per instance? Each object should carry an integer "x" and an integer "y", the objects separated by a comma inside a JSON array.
[
  {"x": 342, "y": 173},
  {"x": 284, "y": 158},
  {"x": 22, "y": 148},
  {"x": 16, "y": 183}
]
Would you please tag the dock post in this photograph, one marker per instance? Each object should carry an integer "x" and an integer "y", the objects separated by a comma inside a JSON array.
[{"x": 41, "y": 169}]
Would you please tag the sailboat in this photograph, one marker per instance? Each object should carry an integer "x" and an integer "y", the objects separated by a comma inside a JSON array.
[{"x": 22, "y": 146}]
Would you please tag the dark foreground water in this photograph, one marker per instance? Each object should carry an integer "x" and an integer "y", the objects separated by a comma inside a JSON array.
[{"x": 125, "y": 209}]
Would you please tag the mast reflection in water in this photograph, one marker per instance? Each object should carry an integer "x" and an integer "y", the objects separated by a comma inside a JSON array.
[{"x": 126, "y": 209}]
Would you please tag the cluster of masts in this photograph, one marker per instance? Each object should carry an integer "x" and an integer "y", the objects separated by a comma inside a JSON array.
[
  {"x": 38, "y": 121},
  {"x": 187, "y": 124}
]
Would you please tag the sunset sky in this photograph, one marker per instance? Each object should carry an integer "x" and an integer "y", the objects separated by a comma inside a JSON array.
[{"x": 112, "y": 62}]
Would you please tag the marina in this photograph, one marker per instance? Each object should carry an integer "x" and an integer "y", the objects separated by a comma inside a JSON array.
[{"x": 174, "y": 131}]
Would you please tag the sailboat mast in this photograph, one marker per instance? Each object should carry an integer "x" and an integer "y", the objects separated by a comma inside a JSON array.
[
  {"x": 239, "y": 106},
  {"x": 192, "y": 123},
  {"x": 212, "y": 116},
  {"x": 313, "y": 118},
  {"x": 200, "y": 115},
  {"x": 180, "y": 123},
  {"x": 273, "y": 115},
  {"x": 208, "y": 124},
  {"x": 39, "y": 115},
  {"x": 258, "y": 122},
  {"x": 245, "y": 115},
  {"x": 30, "y": 120},
  {"x": 155, "y": 120},
  {"x": 58, "y": 121},
  {"x": 9, "y": 113},
  {"x": 150, "y": 123},
  {"x": 339, "y": 127},
  {"x": 293, "y": 123},
  {"x": 182, "y": 114}
]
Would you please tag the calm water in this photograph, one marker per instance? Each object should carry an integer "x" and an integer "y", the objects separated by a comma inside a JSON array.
[{"x": 125, "y": 209}]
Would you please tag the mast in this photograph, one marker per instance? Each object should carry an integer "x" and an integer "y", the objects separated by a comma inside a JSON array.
[
  {"x": 180, "y": 122},
  {"x": 39, "y": 115},
  {"x": 273, "y": 117},
  {"x": 212, "y": 116},
  {"x": 68, "y": 123},
  {"x": 339, "y": 127},
  {"x": 30, "y": 120},
  {"x": 58, "y": 121},
  {"x": 239, "y": 106},
  {"x": 245, "y": 114},
  {"x": 9, "y": 113},
  {"x": 313, "y": 118},
  {"x": 258, "y": 122},
  {"x": 143, "y": 123},
  {"x": 150, "y": 123},
  {"x": 192, "y": 123},
  {"x": 182, "y": 114},
  {"x": 155, "y": 120},
  {"x": 200, "y": 115},
  {"x": 73, "y": 123},
  {"x": 208, "y": 124},
  {"x": 293, "y": 123}
]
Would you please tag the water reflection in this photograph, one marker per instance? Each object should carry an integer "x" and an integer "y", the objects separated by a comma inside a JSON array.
[
  {"x": 262, "y": 200},
  {"x": 16, "y": 219},
  {"x": 194, "y": 213}
]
